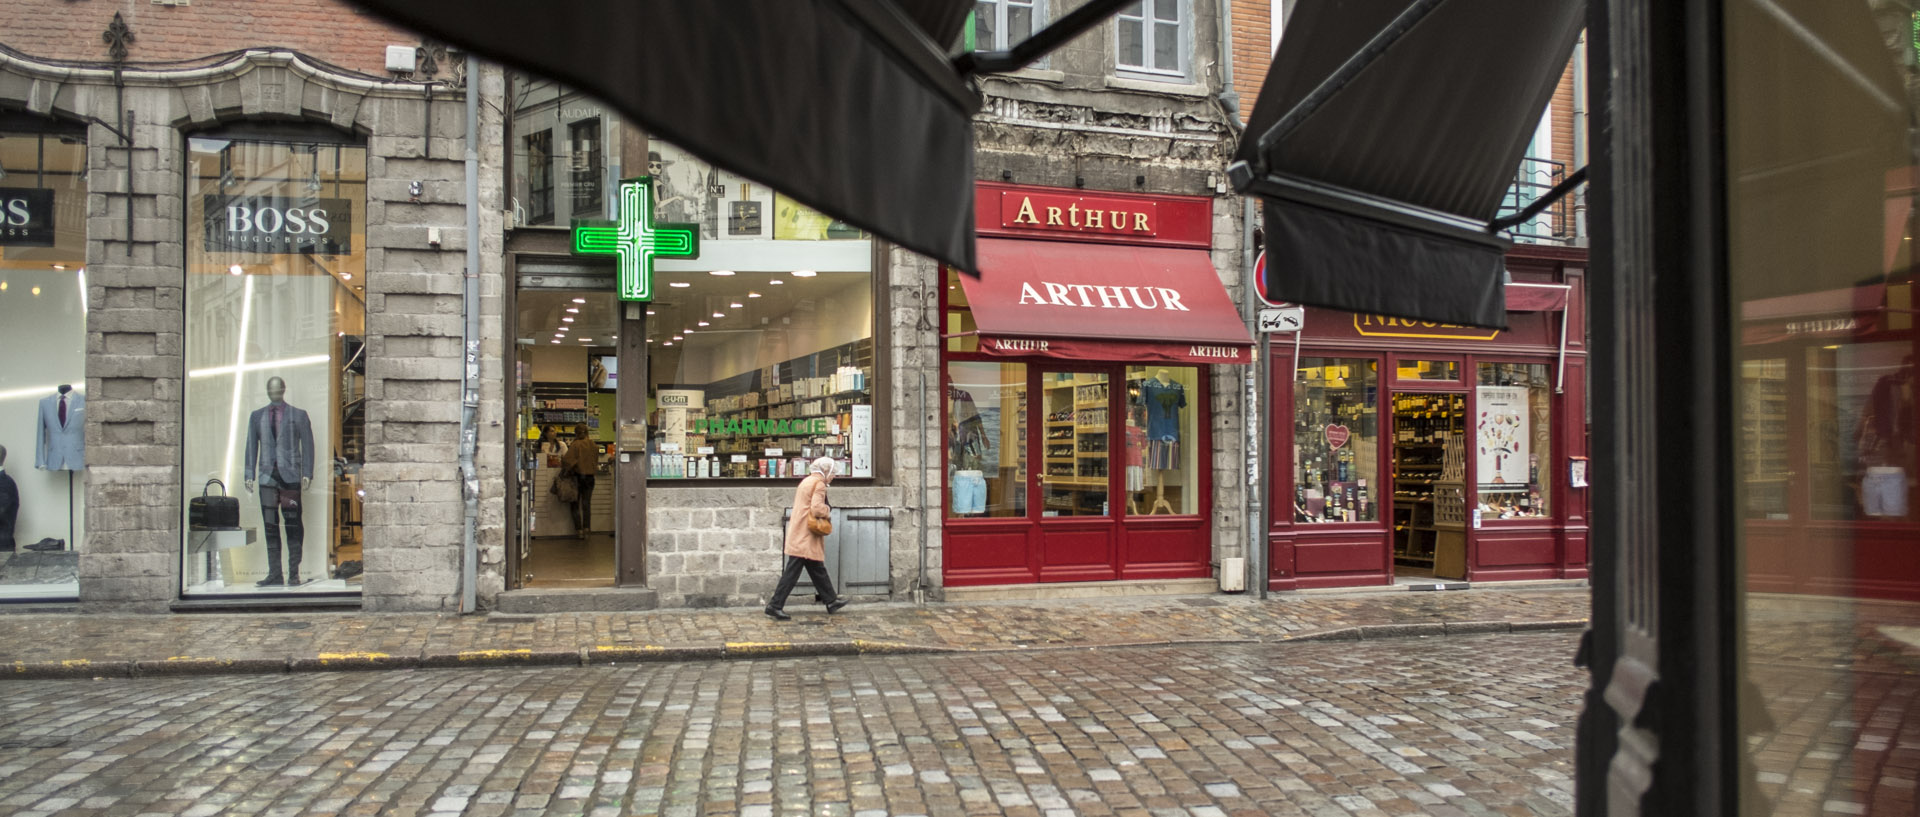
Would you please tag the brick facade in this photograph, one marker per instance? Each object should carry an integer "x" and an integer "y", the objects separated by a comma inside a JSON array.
[{"x": 330, "y": 31}]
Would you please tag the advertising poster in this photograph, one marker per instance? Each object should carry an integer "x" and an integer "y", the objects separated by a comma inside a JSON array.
[
  {"x": 793, "y": 221},
  {"x": 747, "y": 210},
  {"x": 1501, "y": 438},
  {"x": 677, "y": 406},
  {"x": 861, "y": 439},
  {"x": 685, "y": 189}
]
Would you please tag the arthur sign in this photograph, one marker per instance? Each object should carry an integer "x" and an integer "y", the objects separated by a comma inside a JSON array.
[
  {"x": 1053, "y": 212},
  {"x": 26, "y": 217},
  {"x": 635, "y": 239},
  {"x": 278, "y": 225}
]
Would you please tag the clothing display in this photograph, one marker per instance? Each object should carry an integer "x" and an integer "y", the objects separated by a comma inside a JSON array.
[
  {"x": 60, "y": 442},
  {"x": 1883, "y": 491},
  {"x": 1164, "y": 400},
  {"x": 9, "y": 509},
  {"x": 279, "y": 461},
  {"x": 969, "y": 492},
  {"x": 1163, "y": 455},
  {"x": 968, "y": 443},
  {"x": 280, "y": 511}
]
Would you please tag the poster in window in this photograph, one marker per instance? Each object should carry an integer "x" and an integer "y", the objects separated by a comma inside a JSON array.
[
  {"x": 1501, "y": 435},
  {"x": 747, "y": 209},
  {"x": 793, "y": 221}
]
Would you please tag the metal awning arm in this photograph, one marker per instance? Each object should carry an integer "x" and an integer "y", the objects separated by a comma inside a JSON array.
[
  {"x": 1560, "y": 190},
  {"x": 1042, "y": 43},
  {"x": 1345, "y": 75}
]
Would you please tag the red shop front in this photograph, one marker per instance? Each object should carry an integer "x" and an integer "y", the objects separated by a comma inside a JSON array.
[
  {"x": 1413, "y": 451},
  {"x": 1077, "y": 372}
]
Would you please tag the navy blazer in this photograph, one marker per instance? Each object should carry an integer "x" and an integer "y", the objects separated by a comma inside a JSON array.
[
  {"x": 284, "y": 453},
  {"x": 58, "y": 446}
]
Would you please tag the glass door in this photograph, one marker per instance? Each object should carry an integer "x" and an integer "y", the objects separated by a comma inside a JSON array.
[{"x": 1074, "y": 474}]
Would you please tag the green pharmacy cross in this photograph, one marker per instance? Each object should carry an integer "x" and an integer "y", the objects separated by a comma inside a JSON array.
[{"x": 636, "y": 239}]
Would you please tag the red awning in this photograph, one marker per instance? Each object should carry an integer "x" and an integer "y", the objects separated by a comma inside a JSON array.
[
  {"x": 1103, "y": 302},
  {"x": 1536, "y": 297}
]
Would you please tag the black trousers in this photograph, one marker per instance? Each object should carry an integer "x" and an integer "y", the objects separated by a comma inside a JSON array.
[
  {"x": 583, "y": 507},
  {"x": 280, "y": 508},
  {"x": 790, "y": 576}
]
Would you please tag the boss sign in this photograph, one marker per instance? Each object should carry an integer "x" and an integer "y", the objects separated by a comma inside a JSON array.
[{"x": 276, "y": 225}]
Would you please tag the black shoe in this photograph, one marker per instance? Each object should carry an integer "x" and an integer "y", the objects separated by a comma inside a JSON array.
[
  {"x": 293, "y": 580},
  {"x": 48, "y": 544},
  {"x": 270, "y": 581},
  {"x": 777, "y": 615},
  {"x": 835, "y": 605}
]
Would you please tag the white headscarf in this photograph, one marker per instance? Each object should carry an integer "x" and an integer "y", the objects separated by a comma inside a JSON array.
[{"x": 825, "y": 465}]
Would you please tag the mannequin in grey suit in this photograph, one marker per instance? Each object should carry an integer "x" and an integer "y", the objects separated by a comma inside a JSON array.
[
  {"x": 280, "y": 467},
  {"x": 60, "y": 444}
]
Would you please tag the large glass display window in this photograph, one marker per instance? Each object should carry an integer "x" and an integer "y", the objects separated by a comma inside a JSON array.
[
  {"x": 43, "y": 308},
  {"x": 987, "y": 439},
  {"x": 1513, "y": 440},
  {"x": 275, "y": 393},
  {"x": 1336, "y": 440}
]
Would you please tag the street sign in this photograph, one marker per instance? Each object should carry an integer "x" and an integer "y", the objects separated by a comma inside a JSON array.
[
  {"x": 1284, "y": 319},
  {"x": 1260, "y": 281}
]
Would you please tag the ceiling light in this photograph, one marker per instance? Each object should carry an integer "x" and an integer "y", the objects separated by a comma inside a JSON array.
[
  {"x": 559, "y": 334},
  {"x": 346, "y": 276},
  {"x": 553, "y": 341},
  {"x": 649, "y": 311},
  {"x": 586, "y": 340},
  {"x": 678, "y": 337},
  {"x": 777, "y": 282},
  {"x": 722, "y": 272},
  {"x": 574, "y": 309},
  {"x": 679, "y": 284},
  {"x": 668, "y": 343},
  {"x": 3, "y": 286},
  {"x": 702, "y": 323},
  {"x": 753, "y": 294},
  {"x": 60, "y": 266},
  {"x": 568, "y": 319},
  {"x": 36, "y": 290},
  {"x": 804, "y": 273},
  {"x": 235, "y": 269},
  {"x": 719, "y": 314},
  {"x": 579, "y": 300},
  {"x": 649, "y": 340},
  {"x": 737, "y": 305}
]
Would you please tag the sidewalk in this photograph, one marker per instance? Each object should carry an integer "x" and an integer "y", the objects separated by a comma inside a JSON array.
[{"x": 34, "y": 646}]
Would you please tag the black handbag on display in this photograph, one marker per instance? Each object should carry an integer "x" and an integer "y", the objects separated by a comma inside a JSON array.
[{"x": 211, "y": 511}]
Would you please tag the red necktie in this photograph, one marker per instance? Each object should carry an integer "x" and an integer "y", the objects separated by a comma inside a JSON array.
[{"x": 63, "y": 411}]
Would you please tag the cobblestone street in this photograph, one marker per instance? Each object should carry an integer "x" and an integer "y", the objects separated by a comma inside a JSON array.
[{"x": 1462, "y": 725}]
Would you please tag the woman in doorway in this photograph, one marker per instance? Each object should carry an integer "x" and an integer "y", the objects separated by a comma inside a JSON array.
[
  {"x": 582, "y": 462},
  {"x": 806, "y": 550}
]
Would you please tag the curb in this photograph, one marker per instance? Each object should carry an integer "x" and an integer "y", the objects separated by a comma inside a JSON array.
[{"x": 188, "y": 666}]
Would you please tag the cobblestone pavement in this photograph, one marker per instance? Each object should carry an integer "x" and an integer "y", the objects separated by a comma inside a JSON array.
[
  {"x": 70, "y": 645},
  {"x": 1469, "y": 725}
]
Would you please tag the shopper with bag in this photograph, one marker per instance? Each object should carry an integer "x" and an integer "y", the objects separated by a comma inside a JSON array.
[
  {"x": 581, "y": 463},
  {"x": 805, "y": 549}
]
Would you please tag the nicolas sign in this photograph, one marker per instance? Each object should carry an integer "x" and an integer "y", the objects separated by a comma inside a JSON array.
[
  {"x": 26, "y": 217},
  {"x": 277, "y": 225}
]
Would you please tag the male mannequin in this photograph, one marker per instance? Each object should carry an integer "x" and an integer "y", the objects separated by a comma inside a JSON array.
[
  {"x": 9, "y": 504},
  {"x": 61, "y": 439},
  {"x": 280, "y": 467}
]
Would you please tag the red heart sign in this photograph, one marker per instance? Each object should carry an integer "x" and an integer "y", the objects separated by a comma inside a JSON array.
[{"x": 1337, "y": 435}]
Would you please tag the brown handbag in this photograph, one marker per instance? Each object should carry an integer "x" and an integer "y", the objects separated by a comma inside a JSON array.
[{"x": 820, "y": 525}]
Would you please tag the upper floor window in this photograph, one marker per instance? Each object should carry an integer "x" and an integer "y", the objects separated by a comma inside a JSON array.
[
  {"x": 1151, "y": 38},
  {"x": 999, "y": 25},
  {"x": 583, "y": 139},
  {"x": 539, "y": 177}
]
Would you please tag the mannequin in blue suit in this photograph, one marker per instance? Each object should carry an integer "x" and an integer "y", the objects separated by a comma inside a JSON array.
[{"x": 279, "y": 468}]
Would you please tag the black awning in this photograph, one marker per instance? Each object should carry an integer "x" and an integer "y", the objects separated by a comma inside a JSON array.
[
  {"x": 1383, "y": 141},
  {"x": 850, "y": 106}
]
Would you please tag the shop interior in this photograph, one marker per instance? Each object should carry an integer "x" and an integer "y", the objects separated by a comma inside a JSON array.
[
  {"x": 566, "y": 385},
  {"x": 43, "y": 306},
  {"x": 1429, "y": 484}
]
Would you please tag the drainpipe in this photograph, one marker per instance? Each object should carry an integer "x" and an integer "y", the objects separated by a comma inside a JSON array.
[
  {"x": 470, "y": 348},
  {"x": 1580, "y": 138}
]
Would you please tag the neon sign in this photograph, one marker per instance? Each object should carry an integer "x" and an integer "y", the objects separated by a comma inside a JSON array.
[{"x": 635, "y": 239}]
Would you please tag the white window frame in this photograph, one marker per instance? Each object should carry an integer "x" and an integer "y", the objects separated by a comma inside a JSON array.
[
  {"x": 1145, "y": 19},
  {"x": 1000, "y": 42}
]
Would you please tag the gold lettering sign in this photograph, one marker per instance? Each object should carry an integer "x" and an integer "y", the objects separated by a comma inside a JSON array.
[
  {"x": 1381, "y": 326},
  {"x": 1064, "y": 213}
]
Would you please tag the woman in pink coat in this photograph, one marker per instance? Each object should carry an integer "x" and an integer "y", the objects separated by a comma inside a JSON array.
[{"x": 804, "y": 549}]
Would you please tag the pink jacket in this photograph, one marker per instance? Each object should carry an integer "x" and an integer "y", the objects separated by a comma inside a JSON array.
[{"x": 810, "y": 499}]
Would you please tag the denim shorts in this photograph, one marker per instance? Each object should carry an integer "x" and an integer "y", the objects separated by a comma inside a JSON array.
[
  {"x": 1883, "y": 491},
  {"x": 969, "y": 492}
]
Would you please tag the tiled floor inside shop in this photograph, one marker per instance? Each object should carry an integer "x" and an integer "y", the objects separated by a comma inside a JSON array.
[{"x": 569, "y": 562}]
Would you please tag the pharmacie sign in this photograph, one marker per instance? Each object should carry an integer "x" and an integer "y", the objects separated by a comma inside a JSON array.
[
  {"x": 715, "y": 426},
  {"x": 1065, "y": 213},
  {"x": 279, "y": 225},
  {"x": 26, "y": 217}
]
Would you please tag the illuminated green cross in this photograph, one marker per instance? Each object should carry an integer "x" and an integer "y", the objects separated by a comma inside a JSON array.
[{"x": 636, "y": 239}]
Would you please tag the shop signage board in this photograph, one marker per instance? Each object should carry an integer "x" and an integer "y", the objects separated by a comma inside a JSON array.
[
  {"x": 278, "y": 225},
  {"x": 1067, "y": 213},
  {"x": 26, "y": 217},
  {"x": 635, "y": 239}
]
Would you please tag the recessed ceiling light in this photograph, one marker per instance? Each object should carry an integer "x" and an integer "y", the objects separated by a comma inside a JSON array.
[
  {"x": 60, "y": 266},
  {"x": 649, "y": 311},
  {"x": 586, "y": 340},
  {"x": 737, "y": 305},
  {"x": 777, "y": 282},
  {"x": 559, "y": 334},
  {"x": 579, "y": 300},
  {"x": 804, "y": 273},
  {"x": 704, "y": 323},
  {"x": 679, "y": 284},
  {"x": 346, "y": 276},
  {"x": 649, "y": 340},
  {"x": 568, "y": 319},
  {"x": 721, "y": 272},
  {"x": 574, "y": 309},
  {"x": 3, "y": 286},
  {"x": 678, "y": 337},
  {"x": 235, "y": 269},
  {"x": 668, "y": 343},
  {"x": 36, "y": 290},
  {"x": 719, "y": 314},
  {"x": 753, "y": 294}
]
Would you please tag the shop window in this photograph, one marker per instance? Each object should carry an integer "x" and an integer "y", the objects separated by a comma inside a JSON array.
[
  {"x": 1860, "y": 430},
  {"x": 1513, "y": 440},
  {"x": 1440, "y": 370},
  {"x": 276, "y": 306},
  {"x": 1151, "y": 37},
  {"x": 43, "y": 317},
  {"x": 1336, "y": 439},
  {"x": 1160, "y": 440},
  {"x": 539, "y": 176},
  {"x": 987, "y": 439},
  {"x": 587, "y": 164}
]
